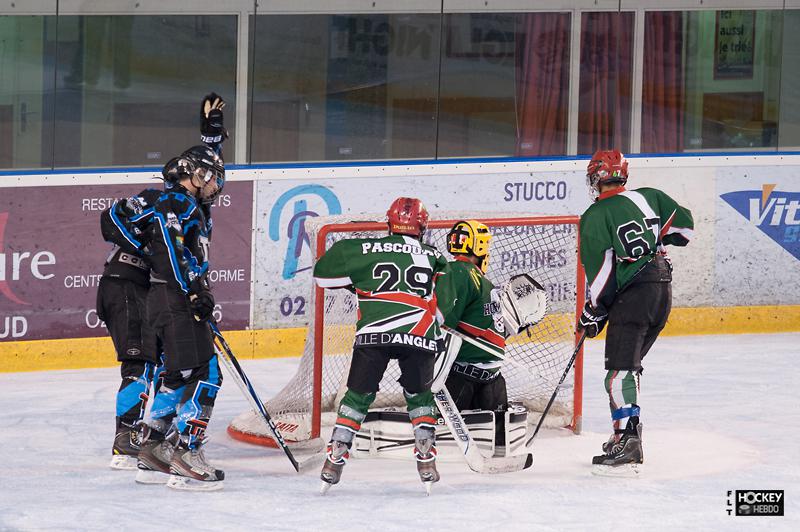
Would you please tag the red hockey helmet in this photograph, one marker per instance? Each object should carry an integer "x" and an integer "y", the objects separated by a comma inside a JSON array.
[
  {"x": 407, "y": 216},
  {"x": 607, "y": 167}
]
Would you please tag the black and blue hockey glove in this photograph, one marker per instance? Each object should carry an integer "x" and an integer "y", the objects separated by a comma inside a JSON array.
[{"x": 212, "y": 129}]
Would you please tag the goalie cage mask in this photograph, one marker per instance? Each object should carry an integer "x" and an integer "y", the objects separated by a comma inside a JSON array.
[{"x": 470, "y": 237}]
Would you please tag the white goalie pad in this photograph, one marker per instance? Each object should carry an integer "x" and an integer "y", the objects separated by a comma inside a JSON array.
[
  {"x": 445, "y": 359},
  {"x": 387, "y": 433},
  {"x": 516, "y": 429},
  {"x": 523, "y": 303}
]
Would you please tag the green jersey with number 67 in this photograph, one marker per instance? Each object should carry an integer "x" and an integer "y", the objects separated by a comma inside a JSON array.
[
  {"x": 623, "y": 231},
  {"x": 393, "y": 278}
]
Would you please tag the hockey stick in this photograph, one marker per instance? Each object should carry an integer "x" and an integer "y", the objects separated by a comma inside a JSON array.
[
  {"x": 474, "y": 342},
  {"x": 235, "y": 370},
  {"x": 475, "y": 459},
  {"x": 560, "y": 382}
]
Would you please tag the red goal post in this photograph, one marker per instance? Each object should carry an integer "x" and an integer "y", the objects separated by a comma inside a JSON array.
[{"x": 544, "y": 246}]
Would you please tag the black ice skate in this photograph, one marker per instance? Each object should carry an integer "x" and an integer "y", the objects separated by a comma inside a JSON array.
[
  {"x": 155, "y": 456},
  {"x": 621, "y": 458},
  {"x": 126, "y": 447},
  {"x": 337, "y": 455},
  {"x": 191, "y": 471},
  {"x": 425, "y": 453}
]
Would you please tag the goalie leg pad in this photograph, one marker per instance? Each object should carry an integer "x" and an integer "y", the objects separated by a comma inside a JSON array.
[
  {"x": 387, "y": 433},
  {"x": 516, "y": 429}
]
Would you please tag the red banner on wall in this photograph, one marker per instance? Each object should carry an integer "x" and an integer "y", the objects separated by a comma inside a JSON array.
[{"x": 52, "y": 256}]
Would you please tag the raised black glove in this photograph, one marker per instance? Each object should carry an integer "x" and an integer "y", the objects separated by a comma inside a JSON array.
[
  {"x": 201, "y": 300},
  {"x": 212, "y": 130},
  {"x": 592, "y": 320}
]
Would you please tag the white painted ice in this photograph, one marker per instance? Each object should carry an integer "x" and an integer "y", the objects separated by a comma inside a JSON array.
[{"x": 720, "y": 413}]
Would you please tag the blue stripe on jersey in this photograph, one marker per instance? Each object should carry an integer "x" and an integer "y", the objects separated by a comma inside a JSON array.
[
  {"x": 129, "y": 237},
  {"x": 145, "y": 213},
  {"x": 173, "y": 257},
  {"x": 194, "y": 264}
]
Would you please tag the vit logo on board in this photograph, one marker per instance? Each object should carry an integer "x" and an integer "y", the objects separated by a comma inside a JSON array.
[{"x": 774, "y": 212}]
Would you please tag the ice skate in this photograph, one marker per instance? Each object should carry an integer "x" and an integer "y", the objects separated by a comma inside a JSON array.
[
  {"x": 337, "y": 455},
  {"x": 154, "y": 457},
  {"x": 425, "y": 453},
  {"x": 126, "y": 448},
  {"x": 191, "y": 471},
  {"x": 622, "y": 458}
]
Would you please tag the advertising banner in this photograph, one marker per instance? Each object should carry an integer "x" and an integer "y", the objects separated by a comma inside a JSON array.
[
  {"x": 758, "y": 236},
  {"x": 283, "y": 260},
  {"x": 52, "y": 256}
]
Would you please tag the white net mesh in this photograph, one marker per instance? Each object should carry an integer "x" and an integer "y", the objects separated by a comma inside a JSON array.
[{"x": 545, "y": 247}]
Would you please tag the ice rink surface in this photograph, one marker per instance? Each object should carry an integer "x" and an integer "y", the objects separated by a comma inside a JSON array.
[{"x": 720, "y": 413}]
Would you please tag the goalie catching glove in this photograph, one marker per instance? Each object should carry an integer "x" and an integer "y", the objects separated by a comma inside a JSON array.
[
  {"x": 592, "y": 320},
  {"x": 212, "y": 130},
  {"x": 523, "y": 303}
]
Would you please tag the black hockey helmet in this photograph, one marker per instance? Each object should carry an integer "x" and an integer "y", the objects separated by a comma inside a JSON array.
[{"x": 198, "y": 161}]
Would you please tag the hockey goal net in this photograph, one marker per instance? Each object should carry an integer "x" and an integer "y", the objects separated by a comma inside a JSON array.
[{"x": 544, "y": 246}]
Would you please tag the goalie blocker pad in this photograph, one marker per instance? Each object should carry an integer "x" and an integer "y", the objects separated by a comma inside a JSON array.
[
  {"x": 387, "y": 433},
  {"x": 523, "y": 303}
]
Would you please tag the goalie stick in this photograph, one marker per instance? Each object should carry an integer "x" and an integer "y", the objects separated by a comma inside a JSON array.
[
  {"x": 473, "y": 456},
  {"x": 237, "y": 373}
]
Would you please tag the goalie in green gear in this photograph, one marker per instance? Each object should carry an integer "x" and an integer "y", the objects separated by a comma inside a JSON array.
[
  {"x": 393, "y": 278},
  {"x": 623, "y": 237},
  {"x": 472, "y": 306}
]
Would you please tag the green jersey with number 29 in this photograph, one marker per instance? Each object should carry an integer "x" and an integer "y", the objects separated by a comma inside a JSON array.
[
  {"x": 393, "y": 278},
  {"x": 623, "y": 231}
]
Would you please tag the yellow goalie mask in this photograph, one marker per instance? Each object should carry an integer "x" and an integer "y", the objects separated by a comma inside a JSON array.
[{"x": 470, "y": 237}]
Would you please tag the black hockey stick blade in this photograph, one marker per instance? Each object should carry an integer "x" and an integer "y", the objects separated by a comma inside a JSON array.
[
  {"x": 250, "y": 393},
  {"x": 560, "y": 382}
]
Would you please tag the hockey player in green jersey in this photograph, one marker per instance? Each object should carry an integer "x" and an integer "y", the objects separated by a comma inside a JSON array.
[
  {"x": 471, "y": 305},
  {"x": 393, "y": 278},
  {"x": 622, "y": 237}
]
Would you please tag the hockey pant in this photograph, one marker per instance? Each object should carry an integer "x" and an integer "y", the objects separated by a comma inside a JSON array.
[
  {"x": 475, "y": 394},
  {"x": 186, "y": 398},
  {"x": 637, "y": 316},
  {"x": 366, "y": 371},
  {"x": 187, "y": 343},
  {"x": 121, "y": 304}
]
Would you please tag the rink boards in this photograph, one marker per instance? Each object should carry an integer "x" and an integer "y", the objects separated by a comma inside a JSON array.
[{"x": 737, "y": 275}]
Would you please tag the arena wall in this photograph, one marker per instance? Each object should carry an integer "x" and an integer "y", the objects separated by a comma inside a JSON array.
[{"x": 739, "y": 274}]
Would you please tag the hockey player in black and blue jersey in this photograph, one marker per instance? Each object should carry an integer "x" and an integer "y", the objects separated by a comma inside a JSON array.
[
  {"x": 121, "y": 296},
  {"x": 178, "y": 305},
  {"x": 121, "y": 300}
]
